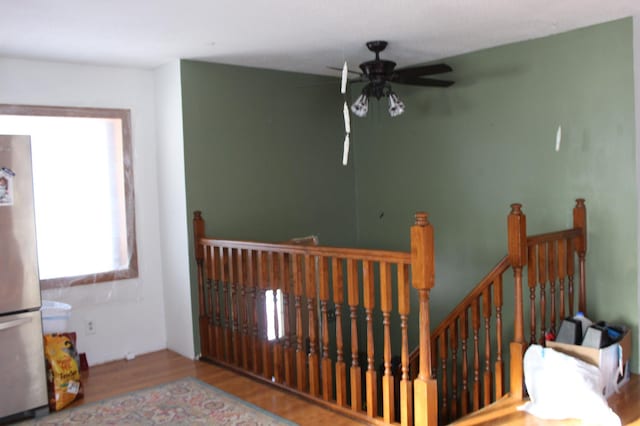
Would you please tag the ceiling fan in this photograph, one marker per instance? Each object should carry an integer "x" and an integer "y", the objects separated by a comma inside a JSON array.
[{"x": 379, "y": 73}]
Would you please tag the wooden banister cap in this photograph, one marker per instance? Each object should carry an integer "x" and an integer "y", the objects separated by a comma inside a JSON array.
[
  {"x": 516, "y": 208},
  {"x": 421, "y": 219},
  {"x": 197, "y": 214},
  {"x": 579, "y": 202}
]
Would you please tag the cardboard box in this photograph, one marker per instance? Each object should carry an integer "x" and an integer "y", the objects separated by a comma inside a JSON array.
[{"x": 607, "y": 359}]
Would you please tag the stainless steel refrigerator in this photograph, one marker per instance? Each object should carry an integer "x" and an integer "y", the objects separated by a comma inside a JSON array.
[{"x": 23, "y": 386}]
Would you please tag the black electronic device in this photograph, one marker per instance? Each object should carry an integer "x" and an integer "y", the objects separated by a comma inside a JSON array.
[{"x": 570, "y": 332}]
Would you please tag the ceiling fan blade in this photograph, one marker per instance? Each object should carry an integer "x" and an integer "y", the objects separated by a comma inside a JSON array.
[
  {"x": 421, "y": 70},
  {"x": 349, "y": 71},
  {"x": 428, "y": 82}
]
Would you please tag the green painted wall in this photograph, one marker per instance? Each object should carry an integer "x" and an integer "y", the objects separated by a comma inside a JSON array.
[
  {"x": 263, "y": 151},
  {"x": 465, "y": 153},
  {"x": 263, "y": 155}
]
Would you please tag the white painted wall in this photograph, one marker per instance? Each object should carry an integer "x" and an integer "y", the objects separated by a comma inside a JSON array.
[
  {"x": 129, "y": 315},
  {"x": 636, "y": 83},
  {"x": 173, "y": 210}
]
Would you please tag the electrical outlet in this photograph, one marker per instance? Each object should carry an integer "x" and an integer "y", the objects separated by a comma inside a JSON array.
[{"x": 89, "y": 327}]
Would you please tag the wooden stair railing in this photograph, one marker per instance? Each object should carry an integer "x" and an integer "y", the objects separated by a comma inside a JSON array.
[
  {"x": 467, "y": 358},
  {"x": 462, "y": 389},
  {"x": 310, "y": 354},
  {"x": 549, "y": 257}
]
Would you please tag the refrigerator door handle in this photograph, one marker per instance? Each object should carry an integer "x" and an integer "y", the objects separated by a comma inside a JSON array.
[{"x": 14, "y": 323}]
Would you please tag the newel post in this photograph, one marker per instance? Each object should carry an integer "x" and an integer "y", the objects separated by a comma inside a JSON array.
[
  {"x": 580, "y": 221},
  {"x": 517, "y": 235},
  {"x": 198, "y": 232},
  {"x": 423, "y": 272}
]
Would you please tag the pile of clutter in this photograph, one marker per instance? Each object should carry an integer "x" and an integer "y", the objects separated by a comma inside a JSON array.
[
  {"x": 580, "y": 367},
  {"x": 580, "y": 330}
]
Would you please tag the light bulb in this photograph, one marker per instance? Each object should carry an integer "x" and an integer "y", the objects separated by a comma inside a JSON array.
[
  {"x": 396, "y": 107},
  {"x": 361, "y": 105}
]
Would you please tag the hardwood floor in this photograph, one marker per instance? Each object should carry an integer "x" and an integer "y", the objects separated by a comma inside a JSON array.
[{"x": 115, "y": 378}]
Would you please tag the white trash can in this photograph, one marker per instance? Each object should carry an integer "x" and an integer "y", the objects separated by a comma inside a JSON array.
[{"x": 55, "y": 316}]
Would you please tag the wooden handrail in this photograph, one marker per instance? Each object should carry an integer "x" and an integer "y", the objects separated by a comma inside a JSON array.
[
  {"x": 248, "y": 289},
  {"x": 566, "y": 234},
  {"x": 236, "y": 279},
  {"x": 477, "y": 291},
  {"x": 549, "y": 259},
  {"x": 500, "y": 268},
  {"x": 372, "y": 255}
]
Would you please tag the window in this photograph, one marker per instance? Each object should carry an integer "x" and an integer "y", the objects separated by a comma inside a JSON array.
[{"x": 83, "y": 190}]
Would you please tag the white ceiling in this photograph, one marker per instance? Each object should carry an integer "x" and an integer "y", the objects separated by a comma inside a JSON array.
[{"x": 295, "y": 35}]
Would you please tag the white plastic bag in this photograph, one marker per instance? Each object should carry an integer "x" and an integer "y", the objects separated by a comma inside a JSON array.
[{"x": 563, "y": 387}]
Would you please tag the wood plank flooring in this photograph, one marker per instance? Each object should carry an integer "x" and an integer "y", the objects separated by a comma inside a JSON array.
[
  {"x": 119, "y": 377},
  {"x": 115, "y": 378}
]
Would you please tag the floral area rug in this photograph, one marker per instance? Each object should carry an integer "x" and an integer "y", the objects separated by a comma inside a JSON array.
[{"x": 184, "y": 402}]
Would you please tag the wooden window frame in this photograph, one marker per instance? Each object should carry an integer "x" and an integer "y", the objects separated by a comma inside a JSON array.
[{"x": 131, "y": 271}]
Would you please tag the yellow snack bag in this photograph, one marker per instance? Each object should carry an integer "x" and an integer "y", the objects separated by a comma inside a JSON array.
[{"x": 63, "y": 370}]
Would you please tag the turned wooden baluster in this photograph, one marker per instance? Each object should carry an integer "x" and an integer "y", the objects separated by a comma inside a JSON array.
[
  {"x": 242, "y": 309},
  {"x": 386, "y": 305},
  {"x": 369, "y": 304},
  {"x": 533, "y": 283},
  {"x": 406, "y": 386},
  {"x": 226, "y": 320},
  {"x": 274, "y": 285},
  {"x": 252, "y": 276},
  {"x": 219, "y": 290},
  {"x": 580, "y": 221},
  {"x": 233, "y": 296},
  {"x": 499, "y": 373},
  {"x": 570, "y": 274},
  {"x": 425, "y": 387},
  {"x": 517, "y": 238},
  {"x": 542, "y": 280},
  {"x": 354, "y": 300},
  {"x": 263, "y": 284},
  {"x": 301, "y": 355},
  {"x": 562, "y": 274},
  {"x": 314, "y": 369},
  {"x": 218, "y": 332},
  {"x": 553, "y": 270},
  {"x": 444, "y": 382},
  {"x": 464, "y": 336},
  {"x": 486, "y": 314},
  {"x": 453, "y": 342},
  {"x": 475, "y": 323},
  {"x": 289, "y": 335},
  {"x": 338, "y": 300},
  {"x": 198, "y": 232},
  {"x": 327, "y": 364},
  {"x": 209, "y": 300}
]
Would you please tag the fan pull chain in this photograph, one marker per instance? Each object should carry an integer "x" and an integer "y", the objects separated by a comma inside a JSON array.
[
  {"x": 343, "y": 84},
  {"x": 347, "y": 130},
  {"x": 345, "y": 152}
]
